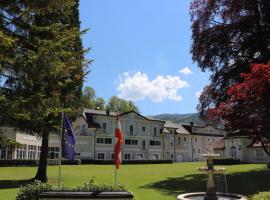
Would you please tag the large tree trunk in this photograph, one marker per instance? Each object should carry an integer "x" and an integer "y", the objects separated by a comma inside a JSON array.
[{"x": 42, "y": 167}]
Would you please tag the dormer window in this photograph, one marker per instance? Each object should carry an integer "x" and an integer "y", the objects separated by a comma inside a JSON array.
[
  {"x": 155, "y": 131},
  {"x": 104, "y": 127},
  {"x": 131, "y": 129}
]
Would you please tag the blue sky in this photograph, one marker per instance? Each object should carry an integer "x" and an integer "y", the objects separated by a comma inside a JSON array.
[{"x": 141, "y": 52}]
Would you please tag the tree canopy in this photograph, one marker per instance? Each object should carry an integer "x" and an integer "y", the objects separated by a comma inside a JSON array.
[
  {"x": 227, "y": 36},
  {"x": 117, "y": 104},
  {"x": 247, "y": 109},
  {"x": 42, "y": 66}
]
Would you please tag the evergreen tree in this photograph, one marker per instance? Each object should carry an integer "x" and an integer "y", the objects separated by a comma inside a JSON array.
[{"x": 47, "y": 70}]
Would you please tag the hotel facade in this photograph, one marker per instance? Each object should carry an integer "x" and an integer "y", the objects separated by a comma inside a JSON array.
[{"x": 144, "y": 139}]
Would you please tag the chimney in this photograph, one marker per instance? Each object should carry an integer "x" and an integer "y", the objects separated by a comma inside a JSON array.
[
  {"x": 191, "y": 123},
  {"x": 107, "y": 112}
]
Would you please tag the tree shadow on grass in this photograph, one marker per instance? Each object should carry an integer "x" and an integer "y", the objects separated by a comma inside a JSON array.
[
  {"x": 9, "y": 184},
  {"x": 246, "y": 183}
]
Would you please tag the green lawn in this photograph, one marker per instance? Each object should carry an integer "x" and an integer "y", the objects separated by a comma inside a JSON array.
[{"x": 157, "y": 181}]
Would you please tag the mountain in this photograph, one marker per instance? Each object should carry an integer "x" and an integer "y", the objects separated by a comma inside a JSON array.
[{"x": 181, "y": 118}]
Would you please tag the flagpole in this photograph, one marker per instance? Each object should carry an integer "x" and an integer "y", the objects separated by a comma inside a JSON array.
[{"x": 60, "y": 152}]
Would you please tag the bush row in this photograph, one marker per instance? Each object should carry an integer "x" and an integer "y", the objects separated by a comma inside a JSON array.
[
  {"x": 85, "y": 161},
  {"x": 32, "y": 190},
  {"x": 226, "y": 161},
  {"x": 8, "y": 163}
]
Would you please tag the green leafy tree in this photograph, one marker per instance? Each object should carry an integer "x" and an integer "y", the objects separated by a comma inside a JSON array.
[
  {"x": 88, "y": 98},
  {"x": 117, "y": 104},
  {"x": 47, "y": 69},
  {"x": 100, "y": 103},
  {"x": 227, "y": 36}
]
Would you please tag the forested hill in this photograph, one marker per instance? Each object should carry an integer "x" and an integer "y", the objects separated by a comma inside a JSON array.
[{"x": 183, "y": 118}]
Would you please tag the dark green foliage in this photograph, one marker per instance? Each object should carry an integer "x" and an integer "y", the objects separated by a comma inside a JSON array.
[
  {"x": 44, "y": 69},
  {"x": 106, "y": 162},
  {"x": 31, "y": 191},
  {"x": 226, "y": 161}
]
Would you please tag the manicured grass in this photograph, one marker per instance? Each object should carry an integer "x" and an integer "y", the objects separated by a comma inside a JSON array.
[{"x": 156, "y": 181}]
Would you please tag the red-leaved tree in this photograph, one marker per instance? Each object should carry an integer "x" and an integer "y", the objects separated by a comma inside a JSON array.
[{"x": 248, "y": 106}]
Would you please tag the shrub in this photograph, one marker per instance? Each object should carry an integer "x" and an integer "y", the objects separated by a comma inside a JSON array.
[
  {"x": 226, "y": 161},
  {"x": 92, "y": 186},
  {"x": 261, "y": 196},
  {"x": 31, "y": 191},
  {"x": 6, "y": 163},
  {"x": 85, "y": 161}
]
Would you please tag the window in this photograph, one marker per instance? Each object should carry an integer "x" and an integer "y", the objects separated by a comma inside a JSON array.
[
  {"x": 104, "y": 127},
  {"x": 208, "y": 139},
  {"x": 21, "y": 152},
  {"x": 139, "y": 156},
  {"x": 53, "y": 152},
  {"x": 127, "y": 156},
  {"x": 6, "y": 153},
  {"x": 104, "y": 140},
  {"x": 143, "y": 128},
  {"x": 171, "y": 144},
  {"x": 195, "y": 139},
  {"x": 83, "y": 130},
  {"x": 193, "y": 150},
  {"x": 32, "y": 152},
  {"x": 100, "y": 140},
  {"x": 38, "y": 152},
  {"x": 155, "y": 131},
  {"x": 101, "y": 156},
  {"x": 143, "y": 144},
  {"x": 199, "y": 151},
  {"x": 155, "y": 156},
  {"x": 233, "y": 152},
  {"x": 131, "y": 130},
  {"x": 112, "y": 156},
  {"x": 131, "y": 142},
  {"x": 259, "y": 153},
  {"x": 108, "y": 140},
  {"x": 172, "y": 156},
  {"x": 155, "y": 143},
  {"x": 185, "y": 139},
  {"x": 179, "y": 140}
]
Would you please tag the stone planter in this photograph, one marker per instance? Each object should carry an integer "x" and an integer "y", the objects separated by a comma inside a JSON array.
[{"x": 57, "y": 195}]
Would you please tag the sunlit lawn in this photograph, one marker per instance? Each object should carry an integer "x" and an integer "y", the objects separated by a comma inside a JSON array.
[{"x": 156, "y": 181}]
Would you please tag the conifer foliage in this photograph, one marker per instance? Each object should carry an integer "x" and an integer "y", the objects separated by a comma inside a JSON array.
[{"x": 42, "y": 66}]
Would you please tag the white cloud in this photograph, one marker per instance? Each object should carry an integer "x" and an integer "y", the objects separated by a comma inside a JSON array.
[
  {"x": 186, "y": 71},
  {"x": 198, "y": 94},
  {"x": 137, "y": 86}
]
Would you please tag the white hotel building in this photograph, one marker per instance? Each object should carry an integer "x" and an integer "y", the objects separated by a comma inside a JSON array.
[{"x": 144, "y": 139}]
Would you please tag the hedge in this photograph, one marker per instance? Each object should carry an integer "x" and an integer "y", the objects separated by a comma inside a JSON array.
[
  {"x": 226, "y": 161},
  {"x": 32, "y": 190},
  {"x": 105, "y": 162},
  {"x": 11, "y": 163}
]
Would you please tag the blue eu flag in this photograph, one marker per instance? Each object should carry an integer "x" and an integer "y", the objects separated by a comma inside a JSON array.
[{"x": 68, "y": 140}]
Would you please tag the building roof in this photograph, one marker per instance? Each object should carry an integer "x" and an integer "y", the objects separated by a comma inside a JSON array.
[
  {"x": 178, "y": 127},
  {"x": 219, "y": 145},
  {"x": 114, "y": 114}
]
